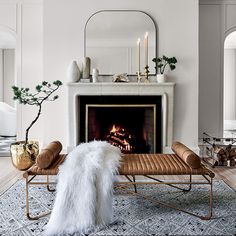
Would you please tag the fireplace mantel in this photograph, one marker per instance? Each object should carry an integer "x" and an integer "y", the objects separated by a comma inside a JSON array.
[{"x": 166, "y": 90}]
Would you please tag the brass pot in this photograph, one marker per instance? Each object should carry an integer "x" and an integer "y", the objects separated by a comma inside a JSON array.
[{"x": 23, "y": 155}]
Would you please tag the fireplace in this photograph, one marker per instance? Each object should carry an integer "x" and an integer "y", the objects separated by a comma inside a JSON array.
[
  {"x": 161, "y": 95},
  {"x": 132, "y": 123}
]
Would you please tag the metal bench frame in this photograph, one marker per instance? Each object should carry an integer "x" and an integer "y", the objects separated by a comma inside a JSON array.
[{"x": 208, "y": 180}]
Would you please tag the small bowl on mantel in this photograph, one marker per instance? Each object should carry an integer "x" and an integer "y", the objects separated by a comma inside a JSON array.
[{"x": 161, "y": 78}]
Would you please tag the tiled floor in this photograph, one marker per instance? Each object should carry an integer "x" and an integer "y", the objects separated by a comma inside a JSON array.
[{"x": 5, "y": 143}]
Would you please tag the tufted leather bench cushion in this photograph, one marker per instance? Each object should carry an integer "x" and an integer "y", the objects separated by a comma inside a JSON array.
[
  {"x": 158, "y": 164},
  {"x": 49, "y": 155},
  {"x": 137, "y": 164},
  {"x": 187, "y": 155},
  {"x": 53, "y": 170}
]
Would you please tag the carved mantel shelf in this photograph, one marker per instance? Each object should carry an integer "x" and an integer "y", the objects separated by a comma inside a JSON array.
[
  {"x": 166, "y": 90},
  {"x": 121, "y": 88}
]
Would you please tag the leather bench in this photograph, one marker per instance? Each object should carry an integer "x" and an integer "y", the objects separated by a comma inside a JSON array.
[{"x": 183, "y": 163}]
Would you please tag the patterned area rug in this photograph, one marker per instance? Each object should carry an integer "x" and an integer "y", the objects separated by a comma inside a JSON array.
[
  {"x": 5, "y": 143},
  {"x": 132, "y": 215}
]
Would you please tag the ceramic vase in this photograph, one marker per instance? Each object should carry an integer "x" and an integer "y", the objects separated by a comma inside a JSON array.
[
  {"x": 161, "y": 78},
  {"x": 86, "y": 67},
  {"x": 95, "y": 75},
  {"x": 73, "y": 72}
]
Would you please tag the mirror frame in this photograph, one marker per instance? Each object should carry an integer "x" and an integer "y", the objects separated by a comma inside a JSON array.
[{"x": 139, "y": 11}]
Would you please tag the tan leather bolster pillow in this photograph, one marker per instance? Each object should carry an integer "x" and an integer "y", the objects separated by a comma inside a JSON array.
[
  {"x": 187, "y": 155},
  {"x": 49, "y": 154}
]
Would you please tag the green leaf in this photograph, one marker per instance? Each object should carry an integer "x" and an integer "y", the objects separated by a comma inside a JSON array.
[
  {"x": 165, "y": 58},
  {"x": 14, "y": 88},
  {"x": 174, "y": 60},
  {"x": 57, "y": 83},
  {"x": 38, "y": 88}
]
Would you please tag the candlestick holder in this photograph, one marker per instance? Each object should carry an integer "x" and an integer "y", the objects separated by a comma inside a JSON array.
[
  {"x": 139, "y": 76},
  {"x": 146, "y": 74}
]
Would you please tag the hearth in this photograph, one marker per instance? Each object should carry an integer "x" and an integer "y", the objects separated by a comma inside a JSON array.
[{"x": 132, "y": 123}]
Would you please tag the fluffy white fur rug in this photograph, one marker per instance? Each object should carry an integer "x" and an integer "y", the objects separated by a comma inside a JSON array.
[{"x": 85, "y": 189}]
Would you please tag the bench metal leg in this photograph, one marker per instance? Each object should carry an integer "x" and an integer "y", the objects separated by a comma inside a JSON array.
[
  {"x": 171, "y": 185},
  {"x": 27, "y": 181},
  {"x": 48, "y": 187},
  {"x": 135, "y": 187},
  {"x": 209, "y": 182}
]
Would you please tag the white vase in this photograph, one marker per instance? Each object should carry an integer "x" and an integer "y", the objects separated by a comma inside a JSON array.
[
  {"x": 95, "y": 75},
  {"x": 161, "y": 78},
  {"x": 73, "y": 72},
  {"x": 86, "y": 67}
]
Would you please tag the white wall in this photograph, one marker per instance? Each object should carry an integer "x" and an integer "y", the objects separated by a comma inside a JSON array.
[
  {"x": 217, "y": 19},
  {"x": 230, "y": 84},
  {"x": 64, "y": 22}
]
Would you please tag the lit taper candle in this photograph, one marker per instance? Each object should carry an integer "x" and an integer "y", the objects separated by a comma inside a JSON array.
[
  {"x": 146, "y": 48},
  {"x": 138, "y": 53}
]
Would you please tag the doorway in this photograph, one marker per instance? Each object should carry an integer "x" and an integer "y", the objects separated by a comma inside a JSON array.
[
  {"x": 7, "y": 80},
  {"x": 230, "y": 86}
]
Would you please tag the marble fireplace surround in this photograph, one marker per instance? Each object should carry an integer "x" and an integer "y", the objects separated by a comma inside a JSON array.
[{"x": 166, "y": 90}]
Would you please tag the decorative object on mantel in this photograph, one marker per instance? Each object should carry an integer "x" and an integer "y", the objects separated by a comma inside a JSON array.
[
  {"x": 146, "y": 69},
  {"x": 95, "y": 75},
  {"x": 120, "y": 78},
  {"x": 161, "y": 63},
  {"x": 73, "y": 72},
  {"x": 146, "y": 73},
  {"x": 86, "y": 67},
  {"x": 138, "y": 60},
  {"x": 24, "y": 153}
]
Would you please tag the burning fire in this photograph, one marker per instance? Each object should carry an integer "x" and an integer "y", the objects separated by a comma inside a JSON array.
[{"x": 119, "y": 137}]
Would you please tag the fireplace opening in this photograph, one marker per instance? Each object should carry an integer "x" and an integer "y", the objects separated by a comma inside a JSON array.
[
  {"x": 133, "y": 123},
  {"x": 129, "y": 127}
]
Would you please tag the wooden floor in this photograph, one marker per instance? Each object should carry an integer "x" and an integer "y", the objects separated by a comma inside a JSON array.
[{"x": 9, "y": 175}]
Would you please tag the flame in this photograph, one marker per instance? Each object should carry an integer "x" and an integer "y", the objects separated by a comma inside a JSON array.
[
  {"x": 114, "y": 129},
  {"x": 125, "y": 142}
]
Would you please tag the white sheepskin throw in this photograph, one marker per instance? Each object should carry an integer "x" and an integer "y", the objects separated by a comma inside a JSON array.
[{"x": 85, "y": 189}]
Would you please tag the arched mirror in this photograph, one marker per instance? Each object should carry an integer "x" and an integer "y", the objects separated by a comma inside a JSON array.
[
  {"x": 230, "y": 85},
  {"x": 111, "y": 41}
]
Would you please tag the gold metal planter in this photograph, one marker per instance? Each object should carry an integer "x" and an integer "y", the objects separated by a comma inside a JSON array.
[{"x": 23, "y": 155}]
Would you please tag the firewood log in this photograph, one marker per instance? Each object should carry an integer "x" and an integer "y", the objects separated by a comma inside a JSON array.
[
  {"x": 232, "y": 162},
  {"x": 232, "y": 152},
  {"x": 218, "y": 150}
]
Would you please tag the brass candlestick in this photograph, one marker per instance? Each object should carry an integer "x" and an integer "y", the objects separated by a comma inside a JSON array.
[
  {"x": 139, "y": 76},
  {"x": 146, "y": 73}
]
